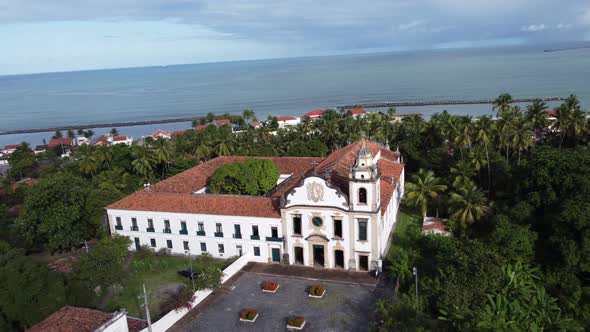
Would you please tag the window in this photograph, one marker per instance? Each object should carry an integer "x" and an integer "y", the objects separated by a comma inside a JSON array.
[
  {"x": 237, "y": 231},
  {"x": 201, "y": 227},
  {"x": 297, "y": 224},
  {"x": 183, "y": 228},
  {"x": 362, "y": 196},
  {"x": 150, "y": 223},
  {"x": 203, "y": 247},
  {"x": 169, "y": 244},
  {"x": 274, "y": 232},
  {"x": 185, "y": 245},
  {"x": 239, "y": 249},
  {"x": 218, "y": 228},
  {"x": 255, "y": 235},
  {"x": 134, "y": 224},
  {"x": 220, "y": 248},
  {"x": 317, "y": 221},
  {"x": 118, "y": 221},
  {"x": 338, "y": 228},
  {"x": 256, "y": 251},
  {"x": 166, "y": 226},
  {"x": 153, "y": 243},
  {"x": 363, "y": 229}
]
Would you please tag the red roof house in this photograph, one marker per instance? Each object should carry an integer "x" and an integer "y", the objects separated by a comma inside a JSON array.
[
  {"x": 178, "y": 133},
  {"x": 355, "y": 112},
  {"x": 315, "y": 114},
  {"x": 119, "y": 138},
  {"x": 161, "y": 133},
  {"x": 222, "y": 122},
  {"x": 55, "y": 142},
  {"x": 76, "y": 319},
  {"x": 201, "y": 127}
]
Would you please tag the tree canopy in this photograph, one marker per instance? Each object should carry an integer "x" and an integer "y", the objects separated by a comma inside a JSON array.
[{"x": 251, "y": 177}]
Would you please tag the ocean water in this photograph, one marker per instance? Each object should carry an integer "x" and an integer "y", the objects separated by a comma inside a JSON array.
[{"x": 286, "y": 87}]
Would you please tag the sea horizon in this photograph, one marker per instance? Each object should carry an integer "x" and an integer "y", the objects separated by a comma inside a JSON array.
[{"x": 288, "y": 86}]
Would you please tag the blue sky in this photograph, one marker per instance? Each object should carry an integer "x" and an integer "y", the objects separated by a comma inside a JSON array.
[{"x": 63, "y": 35}]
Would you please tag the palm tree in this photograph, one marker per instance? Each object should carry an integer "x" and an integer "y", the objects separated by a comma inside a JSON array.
[
  {"x": 116, "y": 178},
  {"x": 485, "y": 129},
  {"x": 143, "y": 162},
  {"x": 114, "y": 132},
  {"x": 329, "y": 132},
  {"x": 522, "y": 136},
  {"x": 71, "y": 133},
  {"x": 86, "y": 160},
  {"x": 425, "y": 187},
  {"x": 203, "y": 149},
  {"x": 104, "y": 155},
  {"x": 468, "y": 205},
  {"x": 163, "y": 152},
  {"x": 536, "y": 114},
  {"x": 57, "y": 134},
  {"x": 463, "y": 172},
  {"x": 80, "y": 132},
  {"x": 248, "y": 115},
  {"x": 463, "y": 138},
  {"x": 224, "y": 147},
  {"x": 502, "y": 104}
]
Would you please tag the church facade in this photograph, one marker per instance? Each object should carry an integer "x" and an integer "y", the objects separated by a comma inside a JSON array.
[{"x": 333, "y": 212}]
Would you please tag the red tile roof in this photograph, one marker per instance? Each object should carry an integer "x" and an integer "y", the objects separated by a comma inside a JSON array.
[
  {"x": 11, "y": 147},
  {"x": 160, "y": 133},
  {"x": 222, "y": 122},
  {"x": 178, "y": 133},
  {"x": 119, "y": 138},
  {"x": 552, "y": 113},
  {"x": 55, "y": 142},
  {"x": 314, "y": 113},
  {"x": 201, "y": 127},
  {"x": 255, "y": 124},
  {"x": 286, "y": 118},
  {"x": 175, "y": 194},
  {"x": 435, "y": 224},
  {"x": 356, "y": 111},
  {"x": 63, "y": 265},
  {"x": 75, "y": 319}
]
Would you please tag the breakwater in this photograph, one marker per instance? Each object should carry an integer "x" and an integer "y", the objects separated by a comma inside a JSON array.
[
  {"x": 189, "y": 119},
  {"x": 444, "y": 102}
]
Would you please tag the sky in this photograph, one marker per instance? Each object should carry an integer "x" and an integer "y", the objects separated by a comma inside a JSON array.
[{"x": 66, "y": 35}]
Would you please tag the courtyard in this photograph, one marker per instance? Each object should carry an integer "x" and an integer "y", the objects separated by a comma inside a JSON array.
[{"x": 345, "y": 306}]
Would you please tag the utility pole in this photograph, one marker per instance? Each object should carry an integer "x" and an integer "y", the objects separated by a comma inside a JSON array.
[
  {"x": 415, "y": 273},
  {"x": 147, "y": 309}
]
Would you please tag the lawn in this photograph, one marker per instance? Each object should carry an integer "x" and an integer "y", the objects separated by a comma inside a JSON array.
[
  {"x": 160, "y": 274},
  {"x": 408, "y": 227}
]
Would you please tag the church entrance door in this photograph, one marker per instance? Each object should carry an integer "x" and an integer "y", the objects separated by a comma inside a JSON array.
[{"x": 318, "y": 255}]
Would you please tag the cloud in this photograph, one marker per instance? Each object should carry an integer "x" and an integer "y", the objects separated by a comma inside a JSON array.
[
  {"x": 533, "y": 28},
  {"x": 412, "y": 25}
]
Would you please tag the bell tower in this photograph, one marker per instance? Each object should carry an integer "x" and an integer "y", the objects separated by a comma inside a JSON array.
[{"x": 364, "y": 188}]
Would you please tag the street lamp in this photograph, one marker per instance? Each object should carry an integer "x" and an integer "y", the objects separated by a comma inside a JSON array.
[{"x": 190, "y": 261}]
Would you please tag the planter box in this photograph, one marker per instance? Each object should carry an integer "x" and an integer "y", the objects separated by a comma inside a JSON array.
[
  {"x": 249, "y": 321},
  {"x": 267, "y": 286},
  {"x": 318, "y": 296},
  {"x": 290, "y": 327}
]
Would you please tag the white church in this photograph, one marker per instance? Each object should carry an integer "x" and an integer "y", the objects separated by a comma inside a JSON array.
[{"x": 333, "y": 212}]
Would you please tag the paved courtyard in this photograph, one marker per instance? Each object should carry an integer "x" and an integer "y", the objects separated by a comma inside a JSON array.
[{"x": 345, "y": 307}]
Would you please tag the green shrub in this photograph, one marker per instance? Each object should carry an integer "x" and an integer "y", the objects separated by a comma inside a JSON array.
[{"x": 252, "y": 177}]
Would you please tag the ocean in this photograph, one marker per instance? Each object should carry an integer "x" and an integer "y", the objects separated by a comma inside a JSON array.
[{"x": 286, "y": 87}]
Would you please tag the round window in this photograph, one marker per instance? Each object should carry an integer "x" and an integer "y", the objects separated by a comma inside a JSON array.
[{"x": 317, "y": 221}]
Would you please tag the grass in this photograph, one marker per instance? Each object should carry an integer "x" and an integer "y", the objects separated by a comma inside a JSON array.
[
  {"x": 408, "y": 226},
  {"x": 162, "y": 282}
]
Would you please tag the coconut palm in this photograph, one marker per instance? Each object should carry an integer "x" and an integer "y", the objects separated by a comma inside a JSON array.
[
  {"x": 329, "y": 132},
  {"x": 522, "y": 136},
  {"x": 104, "y": 155},
  {"x": 116, "y": 178},
  {"x": 57, "y": 134},
  {"x": 463, "y": 138},
  {"x": 143, "y": 161},
  {"x": 71, "y": 133},
  {"x": 114, "y": 132},
  {"x": 463, "y": 173},
  {"x": 224, "y": 147},
  {"x": 163, "y": 151},
  {"x": 536, "y": 114},
  {"x": 203, "y": 149},
  {"x": 248, "y": 115},
  {"x": 502, "y": 104},
  {"x": 87, "y": 161},
  {"x": 485, "y": 129},
  {"x": 468, "y": 205},
  {"x": 423, "y": 188}
]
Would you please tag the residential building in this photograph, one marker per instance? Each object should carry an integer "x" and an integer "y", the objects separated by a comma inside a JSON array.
[
  {"x": 333, "y": 212},
  {"x": 40, "y": 149},
  {"x": 315, "y": 114},
  {"x": 357, "y": 112},
  {"x": 161, "y": 134},
  {"x": 60, "y": 142},
  {"x": 9, "y": 148},
  {"x": 122, "y": 140},
  {"x": 434, "y": 225},
  {"x": 288, "y": 121},
  {"x": 81, "y": 140}
]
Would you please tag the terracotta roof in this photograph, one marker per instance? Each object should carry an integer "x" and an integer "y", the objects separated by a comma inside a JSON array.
[
  {"x": 63, "y": 265},
  {"x": 178, "y": 133},
  {"x": 222, "y": 122},
  {"x": 255, "y": 124},
  {"x": 315, "y": 113},
  {"x": 29, "y": 183},
  {"x": 201, "y": 127},
  {"x": 100, "y": 140},
  {"x": 54, "y": 142},
  {"x": 175, "y": 193},
  {"x": 11, "y": 147},
  {"x": 119, "y": 138},
  {"x": 286, "y": 118},
  {"x": 72, "y": 319},
  {"x": 431, "y": 223},
  {"x": 552, "y": 113},
  {"x": 75, "y": 319},
  {"x": 160, "y": 133},
  {"x": 356, "y": 111}
]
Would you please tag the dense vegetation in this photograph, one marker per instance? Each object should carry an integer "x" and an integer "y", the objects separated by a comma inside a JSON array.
[
  {"x": 251, "y": 177},
  {"x": 515, "y": 193}
]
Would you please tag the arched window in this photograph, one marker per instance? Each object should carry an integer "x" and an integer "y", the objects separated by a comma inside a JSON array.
[{"x": 362, "y": 196}]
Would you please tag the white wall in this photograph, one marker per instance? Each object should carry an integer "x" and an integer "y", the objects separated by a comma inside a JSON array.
[{"x": 209, "y": 222}]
